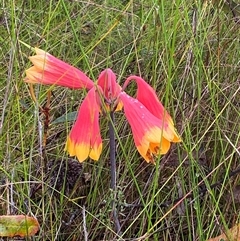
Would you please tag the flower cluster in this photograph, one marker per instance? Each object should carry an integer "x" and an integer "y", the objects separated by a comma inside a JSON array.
[{"x": 152, "y": 127}]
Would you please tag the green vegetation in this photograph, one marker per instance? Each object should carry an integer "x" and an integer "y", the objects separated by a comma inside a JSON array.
[{"x": 189, "y": 52}]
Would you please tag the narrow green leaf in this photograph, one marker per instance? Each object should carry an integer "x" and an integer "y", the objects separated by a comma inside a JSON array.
[{"x": 66, "y": 117}]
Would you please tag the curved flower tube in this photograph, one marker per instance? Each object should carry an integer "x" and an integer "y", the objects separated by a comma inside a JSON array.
[
  {"x": 49, "y": 70},
  {"x": 84, "y": 139},
  {"x": 152, "y": 136},
  {"x": 148, "y": 97}
]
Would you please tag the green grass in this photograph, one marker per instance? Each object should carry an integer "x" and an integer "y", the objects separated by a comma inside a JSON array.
[{"x": 189, "y": 52}]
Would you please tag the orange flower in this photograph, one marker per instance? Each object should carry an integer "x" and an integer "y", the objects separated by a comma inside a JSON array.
[
  {"x": 152, "y": 127},
  {"x": 147, "y": 96},
  {"x": 152, "y": 136},
  {"x": 49, "y": 70},
  {"x": 84, "y": 139}
]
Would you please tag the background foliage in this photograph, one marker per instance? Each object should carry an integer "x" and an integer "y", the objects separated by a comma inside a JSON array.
[{"x": 189, "y": 52}]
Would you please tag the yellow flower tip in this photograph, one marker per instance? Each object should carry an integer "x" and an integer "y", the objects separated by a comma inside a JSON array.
[
  {"x": 31, "y": 75},
  {"x": 147, "y": 155},
  {"x": 40, "y": 51},
  {"x": 40, "y": 62},
  {"x": 145, "y": 152},
  {"x": 83, "y": 150},
  {"x": 153, "y": 147},
  {"x": 160, "y": 148},
  {"x": 177, "y": 138},
  {"x": 70, "y": 147},
  {"x": 169, "y": 132},
  {"x": 96, "y": 152}
]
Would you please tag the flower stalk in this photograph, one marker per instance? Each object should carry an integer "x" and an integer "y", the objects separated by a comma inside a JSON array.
[{"x": 113, "y": 171}]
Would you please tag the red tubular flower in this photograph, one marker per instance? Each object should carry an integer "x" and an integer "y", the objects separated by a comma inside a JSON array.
[
  {"x": 84, "y": 139},
  {"x": 152, "y": 136},
  {"x": 49, "y": 70},
  {"x": 147, "y": 96}
]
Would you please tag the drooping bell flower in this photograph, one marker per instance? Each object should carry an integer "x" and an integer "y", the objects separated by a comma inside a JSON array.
[
  {"x": 152, "y": 136},
  {"x": 152, "y": 127},
  {"x": 84, "y": 139},
  {"x": 48, "y": 70},
  {"x": 147, "y": 96}
]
